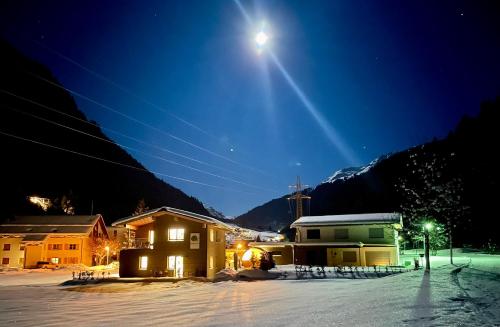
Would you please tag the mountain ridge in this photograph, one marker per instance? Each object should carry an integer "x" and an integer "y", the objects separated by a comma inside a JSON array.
[
  {"x": 471, "y": 145},
  {"x": 36, "y": 164}
]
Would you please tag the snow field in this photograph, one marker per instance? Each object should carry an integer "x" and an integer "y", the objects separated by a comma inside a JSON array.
[{"x": 448, "y": 296}]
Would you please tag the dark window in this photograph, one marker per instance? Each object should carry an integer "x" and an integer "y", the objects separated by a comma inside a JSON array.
[
  {"x": 277, "y": 253},
  {"x": 73, "y": 246},
  {"x": 5, "y": 261},
  {"x": 376, "y": 232},
  {"x": 6, "y": 247},
  {"x": 341, "y": 234},
  {"x": 115, "y": 233},
  {"x": 313, "y": 234}
]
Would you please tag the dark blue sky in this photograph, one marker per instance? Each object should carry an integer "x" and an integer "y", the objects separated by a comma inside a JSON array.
[{"x": 381, "y": 75}]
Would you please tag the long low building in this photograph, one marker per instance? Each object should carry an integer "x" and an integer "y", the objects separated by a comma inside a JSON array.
[
  {"x": 60, "y": 240},
  {"x": 347, "y": 240}
]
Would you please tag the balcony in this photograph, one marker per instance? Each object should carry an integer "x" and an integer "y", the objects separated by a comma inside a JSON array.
[{"x": 140, "y": 243}]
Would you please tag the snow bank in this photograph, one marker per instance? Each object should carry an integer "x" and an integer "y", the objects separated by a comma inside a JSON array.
[
  {"x": 257, "y": 274},
  {"x": 225, "y": 275}
]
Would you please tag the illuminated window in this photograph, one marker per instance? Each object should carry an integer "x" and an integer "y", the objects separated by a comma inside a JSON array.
[
  {"x": 212, "y": 235},
  {"x": 176, "y": 234},
  {"x": 6, "y": 247},
  {"x": 54, "y": 260},
  {"x": 55, "y": 246},
  {"x": 143, "y": 263},
  {"x": 211, "y": 263},
  {"x": 151, "y": 237}
]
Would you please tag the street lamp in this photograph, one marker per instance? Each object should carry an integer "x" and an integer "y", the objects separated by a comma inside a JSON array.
[
  {"x": 427, "y": 228},
  {"x": 107, "y": 255}
]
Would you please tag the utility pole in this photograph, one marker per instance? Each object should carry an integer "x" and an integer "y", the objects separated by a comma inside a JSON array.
[{"x": 298, "y": 197}]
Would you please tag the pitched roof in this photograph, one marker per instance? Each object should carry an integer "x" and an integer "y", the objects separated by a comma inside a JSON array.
[
  {"x": 53, "y": 220},
  {"x": 188, "y": 214},
  {"x": 49, "y": 225},
  {"x": 354, "y": 219}
]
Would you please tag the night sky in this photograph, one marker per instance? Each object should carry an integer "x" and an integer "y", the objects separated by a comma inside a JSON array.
[{"x": 358, "y": 79}]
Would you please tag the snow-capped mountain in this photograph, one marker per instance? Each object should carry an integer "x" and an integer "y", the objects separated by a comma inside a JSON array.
[
  {"x": 347, "y": 173},
  {"x": 215, "y": 213}
]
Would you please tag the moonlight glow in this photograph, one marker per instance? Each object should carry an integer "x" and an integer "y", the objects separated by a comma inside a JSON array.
[{"x": 261, "y": 38}]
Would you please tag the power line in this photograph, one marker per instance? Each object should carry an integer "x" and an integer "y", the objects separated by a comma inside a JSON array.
[
  {"x": 121, "y": 164},
  {"x": 179, "y": 139},
  {"x": 134, "y": 149},
  {"x": 114, "y": 131},
  {"x": 122, "y": 88}
]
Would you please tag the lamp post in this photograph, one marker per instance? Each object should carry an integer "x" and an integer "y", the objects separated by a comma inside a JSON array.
[
  {"x": 107, "y": 255},
  {"x": 427, "y": 228}
]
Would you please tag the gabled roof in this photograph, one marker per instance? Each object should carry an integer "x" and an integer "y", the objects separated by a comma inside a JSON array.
[
  {"x": 354, "y": 219},
  {"x": 53, "y": 220},
  {"x": 28, "y": 225},
  {"x": 179, "y": 212}
]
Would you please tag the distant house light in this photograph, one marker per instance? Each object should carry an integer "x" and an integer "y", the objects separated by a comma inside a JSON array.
[{"x": 43, "y": 203}]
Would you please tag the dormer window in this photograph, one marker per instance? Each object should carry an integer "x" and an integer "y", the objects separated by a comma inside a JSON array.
[{"x": 176, "y": 234}]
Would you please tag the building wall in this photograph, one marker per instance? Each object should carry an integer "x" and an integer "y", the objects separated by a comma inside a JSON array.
[
  {"x": 15, "y": 254},
  {"x": 129, "y": 263},
  {"x": 356, "y": 233},
  {"x": 329, "y": 255},
  {"x": 67, "y": 256},
  {"x": 216, "y": 251},
  {"x": 33, "y": 254},
  {"x": 310, "y": 255}
]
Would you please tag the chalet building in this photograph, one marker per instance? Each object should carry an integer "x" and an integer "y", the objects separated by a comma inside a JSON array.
[
  {"x": 347, "y": 240},
  {"x": 174, "y": 243},
  {"x": 61, "y": 240}
]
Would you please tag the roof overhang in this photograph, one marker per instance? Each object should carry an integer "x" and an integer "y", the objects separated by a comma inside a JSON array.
[{"x": 149, "y": 217}]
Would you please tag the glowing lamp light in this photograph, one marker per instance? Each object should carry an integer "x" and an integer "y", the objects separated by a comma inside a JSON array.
[
  {"x": 428, "y": 226},
  {"x": 251, "y": 258},
  {"x": 261, "y": 38},
  {"x": 239, "y": 246}
]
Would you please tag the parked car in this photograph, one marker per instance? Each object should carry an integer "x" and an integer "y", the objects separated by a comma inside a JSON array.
[{"x": 46, "y": 265}]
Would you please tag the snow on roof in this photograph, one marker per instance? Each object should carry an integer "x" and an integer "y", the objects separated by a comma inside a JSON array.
[
  {"x": 353, "y": 219},
  {"x": 205, "y": 219},
  {"x": 49, "y": 224}
]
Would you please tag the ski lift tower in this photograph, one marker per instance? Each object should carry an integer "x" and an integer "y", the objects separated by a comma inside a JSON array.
[{"x": 298, "y": 197}]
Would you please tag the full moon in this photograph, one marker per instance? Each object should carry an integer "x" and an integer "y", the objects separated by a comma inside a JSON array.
[{"x": 261, "y": 38}]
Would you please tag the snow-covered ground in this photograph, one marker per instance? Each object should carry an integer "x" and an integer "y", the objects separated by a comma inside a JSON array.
[{"x": 448, "y": 296}]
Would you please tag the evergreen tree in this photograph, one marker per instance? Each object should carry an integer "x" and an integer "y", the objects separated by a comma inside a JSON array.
[{"x": 141, "y": 207}]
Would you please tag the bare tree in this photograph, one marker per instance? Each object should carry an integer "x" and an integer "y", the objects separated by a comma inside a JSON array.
[
  {"x": 101, "y": 247},
  {"x": 430, "y": 190}
]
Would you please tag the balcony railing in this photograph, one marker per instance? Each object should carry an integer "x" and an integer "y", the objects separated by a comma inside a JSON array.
[{"x": 140, "y": 243}]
